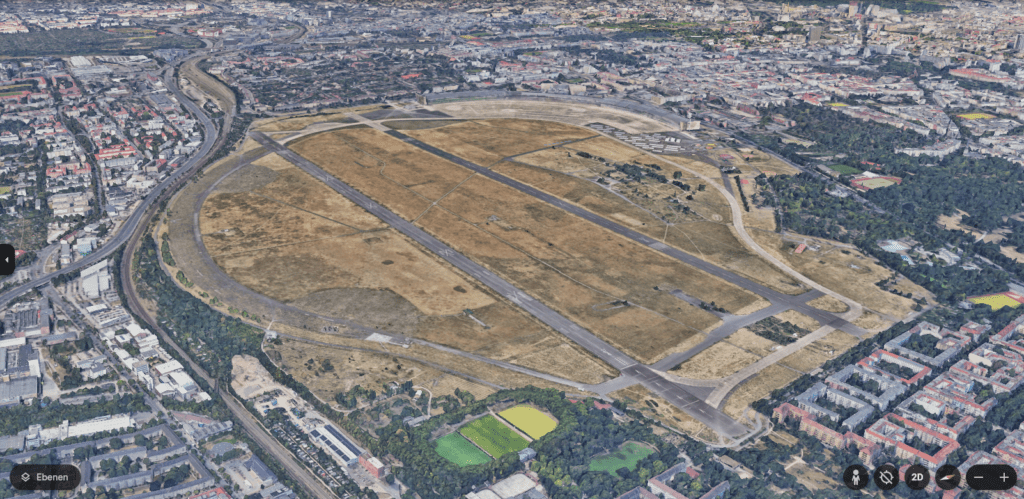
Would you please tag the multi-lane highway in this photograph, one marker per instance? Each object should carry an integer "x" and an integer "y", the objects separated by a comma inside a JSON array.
[{"x": 132, "y": 222}]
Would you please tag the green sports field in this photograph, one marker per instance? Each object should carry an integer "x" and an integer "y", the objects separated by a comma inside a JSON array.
[
  {"x": 458, "y": 450},
  {"x": 976, "y": 116},
  {"x": 529, "y": 420},
  {"x": 627, "y": 455},
  {"x": 845, "y": 170},
  {"x": 875, "y": 183},
  {"x": 493, "y": 436},
  {"x": 995, "y": 301}
]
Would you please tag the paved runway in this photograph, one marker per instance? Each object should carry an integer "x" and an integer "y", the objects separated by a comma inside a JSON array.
[
  {"x": 794, "y": 302},
  {"x": 673, "y": 393}
]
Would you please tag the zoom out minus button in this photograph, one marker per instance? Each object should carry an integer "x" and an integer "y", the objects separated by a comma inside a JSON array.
[{"x": 991, "y": 477}]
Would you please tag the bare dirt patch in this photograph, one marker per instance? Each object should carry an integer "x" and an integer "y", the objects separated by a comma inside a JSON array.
[
  {"x": 488, "y": 141},
  {"x": 418, "y": 124},
  {"x": 249, "y": 378},
  {"x": 274, "y": 162},
  {"x": 692, "y": 220},
  {"x": 798, "y": 319},
  {"x": 747, "y": 340},
  {"x": 302, "y": 271},
  {"x": 244, "y": 222},
  {"x": 718, "y": 361},
  {"x": 300, "y": 122},
  {"x": 829, "y": 304},
  {"x": 1011, "y": 252},
  {"x": 845, "y": 271},
  {"x": 369, "y": 370},
  {"x": 766, "y": 163},
  {"x": 814, "y": 355},
  {"x": 871, "y": 322},
  {"x": 644, "y": 401},
  {"x": 771, "y": 378}
]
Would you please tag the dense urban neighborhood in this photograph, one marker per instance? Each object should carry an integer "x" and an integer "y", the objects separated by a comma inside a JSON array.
[{"x": 270, "y": 249}]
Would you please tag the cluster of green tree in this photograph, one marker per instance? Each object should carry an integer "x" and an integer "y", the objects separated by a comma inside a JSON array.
[
  {"x": 868, "y": 385},
  {"x": 896, "y": 369},
  {"x": 229, "y": 455},
  {"x": 851, "y": 356},
  {"x": 582, "y": 432},
  {"x": 923, "y": 344},
  {"x": 562, "y": 461},
  {"x": 618, "y": 58},
  {"x": 239, "y": 127},
  {"x": 912, "y": 210},
  {"x": 743, "y": 196},
  {"x": 350, "y": 399},
  {"x": 171, "y": 477},
  {"x": 101, "y": 492},
  {"x": 65, "y": 278},
  {"x": 777, "y": 330},
  {"x": 165, "y": 249},
  {"x": 182, "y": 312},
  {"x": 111, "y": 468}
]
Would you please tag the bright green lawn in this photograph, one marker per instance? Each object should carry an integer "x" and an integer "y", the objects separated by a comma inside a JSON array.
[
  {"x": 627, "y": 456},
  {"x": 845, "y": 170},
  {"x": 493, "y": 436},
  {"x": 457, "y": 449}
]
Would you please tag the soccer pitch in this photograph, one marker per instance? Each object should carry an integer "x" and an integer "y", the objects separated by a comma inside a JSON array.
[
  {"x": 976, "y": 116},
  {"x": 493, "y": 437},
  {"x": 458, "y": 450},
  {"x": 875, "y": 183},
  {"x": 531, "y": 421},
  {"x": 995, "y": 301}
]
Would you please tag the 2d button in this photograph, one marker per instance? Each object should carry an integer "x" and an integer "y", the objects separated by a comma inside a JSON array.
[
  {"x": 917, "y": 477},
  {"x": 991, "y": 477},
  {"x": 887, "y": 477},
  {"x": 6, "y": 259},
  {"x": 947, "y": 477},
  {"x": 856, "y": 477},
  {"x": 45, "y": 477}
]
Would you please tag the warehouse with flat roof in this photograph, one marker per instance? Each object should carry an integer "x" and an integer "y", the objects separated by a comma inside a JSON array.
[{"x": 334, "y": 441}]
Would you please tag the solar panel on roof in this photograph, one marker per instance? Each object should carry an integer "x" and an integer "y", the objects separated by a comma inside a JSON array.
[{"x": 344, "y": 441}]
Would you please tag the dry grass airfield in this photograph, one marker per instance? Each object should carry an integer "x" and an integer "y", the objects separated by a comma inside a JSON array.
[
  {"x": 704, "y": 232},
  {"x": 577, "y": 268},
  {"x": 284, "y": 235},
  {"x": 280, "y": 233}
]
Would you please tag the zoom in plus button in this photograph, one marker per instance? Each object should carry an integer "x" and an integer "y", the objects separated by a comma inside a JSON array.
[
  {"x": 45, "y": 477},
  {"x": 991, "y": 477}
]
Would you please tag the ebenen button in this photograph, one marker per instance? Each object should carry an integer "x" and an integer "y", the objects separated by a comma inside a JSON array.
[{"x": 45, "y": 477}]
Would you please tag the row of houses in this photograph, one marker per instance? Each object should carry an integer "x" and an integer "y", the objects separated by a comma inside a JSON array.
[{"x": 936, "y": 415}]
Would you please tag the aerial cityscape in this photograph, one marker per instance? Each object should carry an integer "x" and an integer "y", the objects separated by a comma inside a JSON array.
[{"x": 616, "y": 249}]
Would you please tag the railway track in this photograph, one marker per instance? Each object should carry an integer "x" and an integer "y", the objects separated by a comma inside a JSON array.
[{"x": 313, "y": 486}]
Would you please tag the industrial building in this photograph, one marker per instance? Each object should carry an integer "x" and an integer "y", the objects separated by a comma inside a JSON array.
[
  {"x": 18, "y": 390},
  {"x": 333, "y": 441},
  {"x": 259, "y": 469}
]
